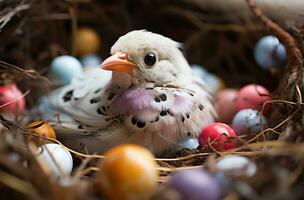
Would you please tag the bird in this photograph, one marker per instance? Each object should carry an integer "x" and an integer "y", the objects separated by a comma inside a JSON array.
[{"x": 145, "y": 93}]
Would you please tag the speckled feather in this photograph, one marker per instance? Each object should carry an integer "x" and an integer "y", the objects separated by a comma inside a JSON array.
[{"x": 96, "y": 113}]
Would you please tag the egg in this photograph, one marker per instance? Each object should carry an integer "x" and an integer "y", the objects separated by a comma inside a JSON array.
[
  {"x": 56, "y": 159},
  {"x": 199, "y": 71},
  {"x": 249, "y": 121},
  {"x": 217, "y": 134},
  {"x": 128, "y": 172},
  {"x": 65, "y": 68},
  {"x": 195, "y": 184},
  {"x": 269, "y": 53},
  {"x": 189, "y": 143},
  {"x": 87, "y": 41},
  {"x": 13, "y": 97},
  {"x": 90, "y": 61},
  {"x": 42, "y": 128},
  {"x": 253, "y": 96},
  {"x": 236, "y": 166},
  {"x": 225, "y": 104}
]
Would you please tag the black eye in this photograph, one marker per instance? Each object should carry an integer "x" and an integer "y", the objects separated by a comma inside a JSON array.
[{"x": 150, "y": 59}]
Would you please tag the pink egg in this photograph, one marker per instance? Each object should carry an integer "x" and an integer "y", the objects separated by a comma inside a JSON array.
[
  {"x": 253, "y": 96},
  {"x": 225, "y": 104},
  {"x": 13, "y": 96},
  {"x": 218, "y": 134}
]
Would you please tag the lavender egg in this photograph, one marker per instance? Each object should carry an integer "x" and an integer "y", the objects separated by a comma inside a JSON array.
[
  {"x": 269, "y": 52},
  {"x": 249, "y": 120},
  {"x": 188, "y": 143},
  {"x": 195, "y": 184}
]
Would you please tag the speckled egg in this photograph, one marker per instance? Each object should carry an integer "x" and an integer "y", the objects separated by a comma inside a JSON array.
[
  {"x": 128, "y": 172},
  {"x": 269, "y": 53},
  {"x": 90, "y": 61},
  {"x": 65, "y": 68},
  {"x": 253, "y": 96},
  {"x": 225, "y": 104},
  {"x": 249, "y": 121},
  {"x": 195, "y": 184},
  {"x": 217, "y": 135},
  {"x": 56, "y": 159},
  {"x": 236, "y": 166},
  {"x": 42, "y": 128},
  {"x": 188, "y": 143},
  {"x": 87, "y": 41},
  {"x": 13, "y": 98}
]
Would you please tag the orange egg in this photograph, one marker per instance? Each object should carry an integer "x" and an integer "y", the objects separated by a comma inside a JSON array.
[
  {"x": 87, "y": 41},
  {"x": 128, "y": 172},
  {"x": 42, "y": 128}
]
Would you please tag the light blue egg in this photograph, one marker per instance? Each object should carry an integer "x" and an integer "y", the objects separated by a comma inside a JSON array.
[
  {"x": 91, "y": 60},
  {"x": 249, "y": 120},
  {"x": 199, "y": 71},
  {"x": 65, "y": 68},
  {"x": 189, "y": 143},
  {"x": 269, "y": 53}
]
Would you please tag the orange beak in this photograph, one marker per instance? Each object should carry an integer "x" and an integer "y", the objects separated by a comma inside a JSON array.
[{"x": 118, "y": 63}]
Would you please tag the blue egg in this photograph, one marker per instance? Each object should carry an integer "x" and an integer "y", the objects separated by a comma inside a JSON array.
[
  {"x": 249, "y": 120},
  {"x": 199, "y": 71},
  {"x": 269, "y": 53},
  {"x": 65, "y": 68},
  {"x": 189, "y": 143},
  {"x": 91, "y": 60}
]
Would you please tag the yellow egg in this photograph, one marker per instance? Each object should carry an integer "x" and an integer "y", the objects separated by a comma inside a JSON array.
[
  {"x": 87, "y": 41},
  {"x": 128, "y": 172},
  {"x": 41, "y": 128}
]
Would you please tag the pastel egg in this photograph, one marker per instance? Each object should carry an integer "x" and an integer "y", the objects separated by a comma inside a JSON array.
[
  {"x": 217, "y": 135},
  {"x": 269, "y": 52},
  {"x": 195, "y": 184},
  {"x": 225, "y": 104},
  {"x": 213, "y": 83},
  {"x": 89, "y": 61},
  {"x": 65, "y": 68},
  {"x": 236, "y": 166},
  {"x": 13, "y": 98},
  {"x": 188, "y": 143},
  {"x": 253, "y": 96},
  {"x": 42, "y": 128},
  {"x": 249, "y": 121},
  {"x": 56, "y": 159},
  {"x": 87, "y": 41},
  {"x": 199, "y": 71},
  {"x": 128, "y": 172}
]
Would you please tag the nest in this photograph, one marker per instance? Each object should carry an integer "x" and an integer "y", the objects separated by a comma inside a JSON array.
[{"x": 32, "y": 33}]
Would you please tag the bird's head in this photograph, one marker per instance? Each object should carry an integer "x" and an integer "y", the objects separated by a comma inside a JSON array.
[{"x": 147, "y": 58}]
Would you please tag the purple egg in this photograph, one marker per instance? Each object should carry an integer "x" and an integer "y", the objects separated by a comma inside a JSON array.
[{"x": 195, "y": 184}]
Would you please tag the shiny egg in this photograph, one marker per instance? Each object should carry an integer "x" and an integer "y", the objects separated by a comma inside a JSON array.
[
  {"x": 87, "y": 41},
  {"x": 11, "y": 99},
  {"x": 128, "y": 172},
  {"x": 42, "y": 128},
  {"x": 249, "y": 121},
  {"x": 269, "y": 53},
  {"x": 56, "y": 159},
  {"x": 225, "y": 104},
  {"x": 195, "y": 184},
  {"x": 65, "y": 68},
  {"x": 188, "y": 143},
  {"x": 253, "y": 96},
  {"x": 236, "y": 166},
  {"x": 217, "y": 135}
]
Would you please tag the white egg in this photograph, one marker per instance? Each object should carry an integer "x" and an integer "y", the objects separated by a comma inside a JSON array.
[
  {"x": 56, "y": 158},
  {"x": 236, "y": 166}
]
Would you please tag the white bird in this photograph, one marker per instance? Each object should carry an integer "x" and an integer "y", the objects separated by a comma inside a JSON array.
[{"x": 152, "y": 98}]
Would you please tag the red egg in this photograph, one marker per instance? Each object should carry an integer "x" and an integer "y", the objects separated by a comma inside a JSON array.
[
  {"x": 12, "y": 96},
  {"x": 253, "y": 96},
  {"x": 225, "y": 104},
  {"x": 218, "y": 136}
]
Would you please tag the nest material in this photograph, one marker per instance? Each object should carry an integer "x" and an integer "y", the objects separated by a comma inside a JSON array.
[{"x": 218, "y": 34}]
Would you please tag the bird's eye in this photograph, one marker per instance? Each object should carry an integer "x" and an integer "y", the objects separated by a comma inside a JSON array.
[{"x": 150, "y": 59}]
